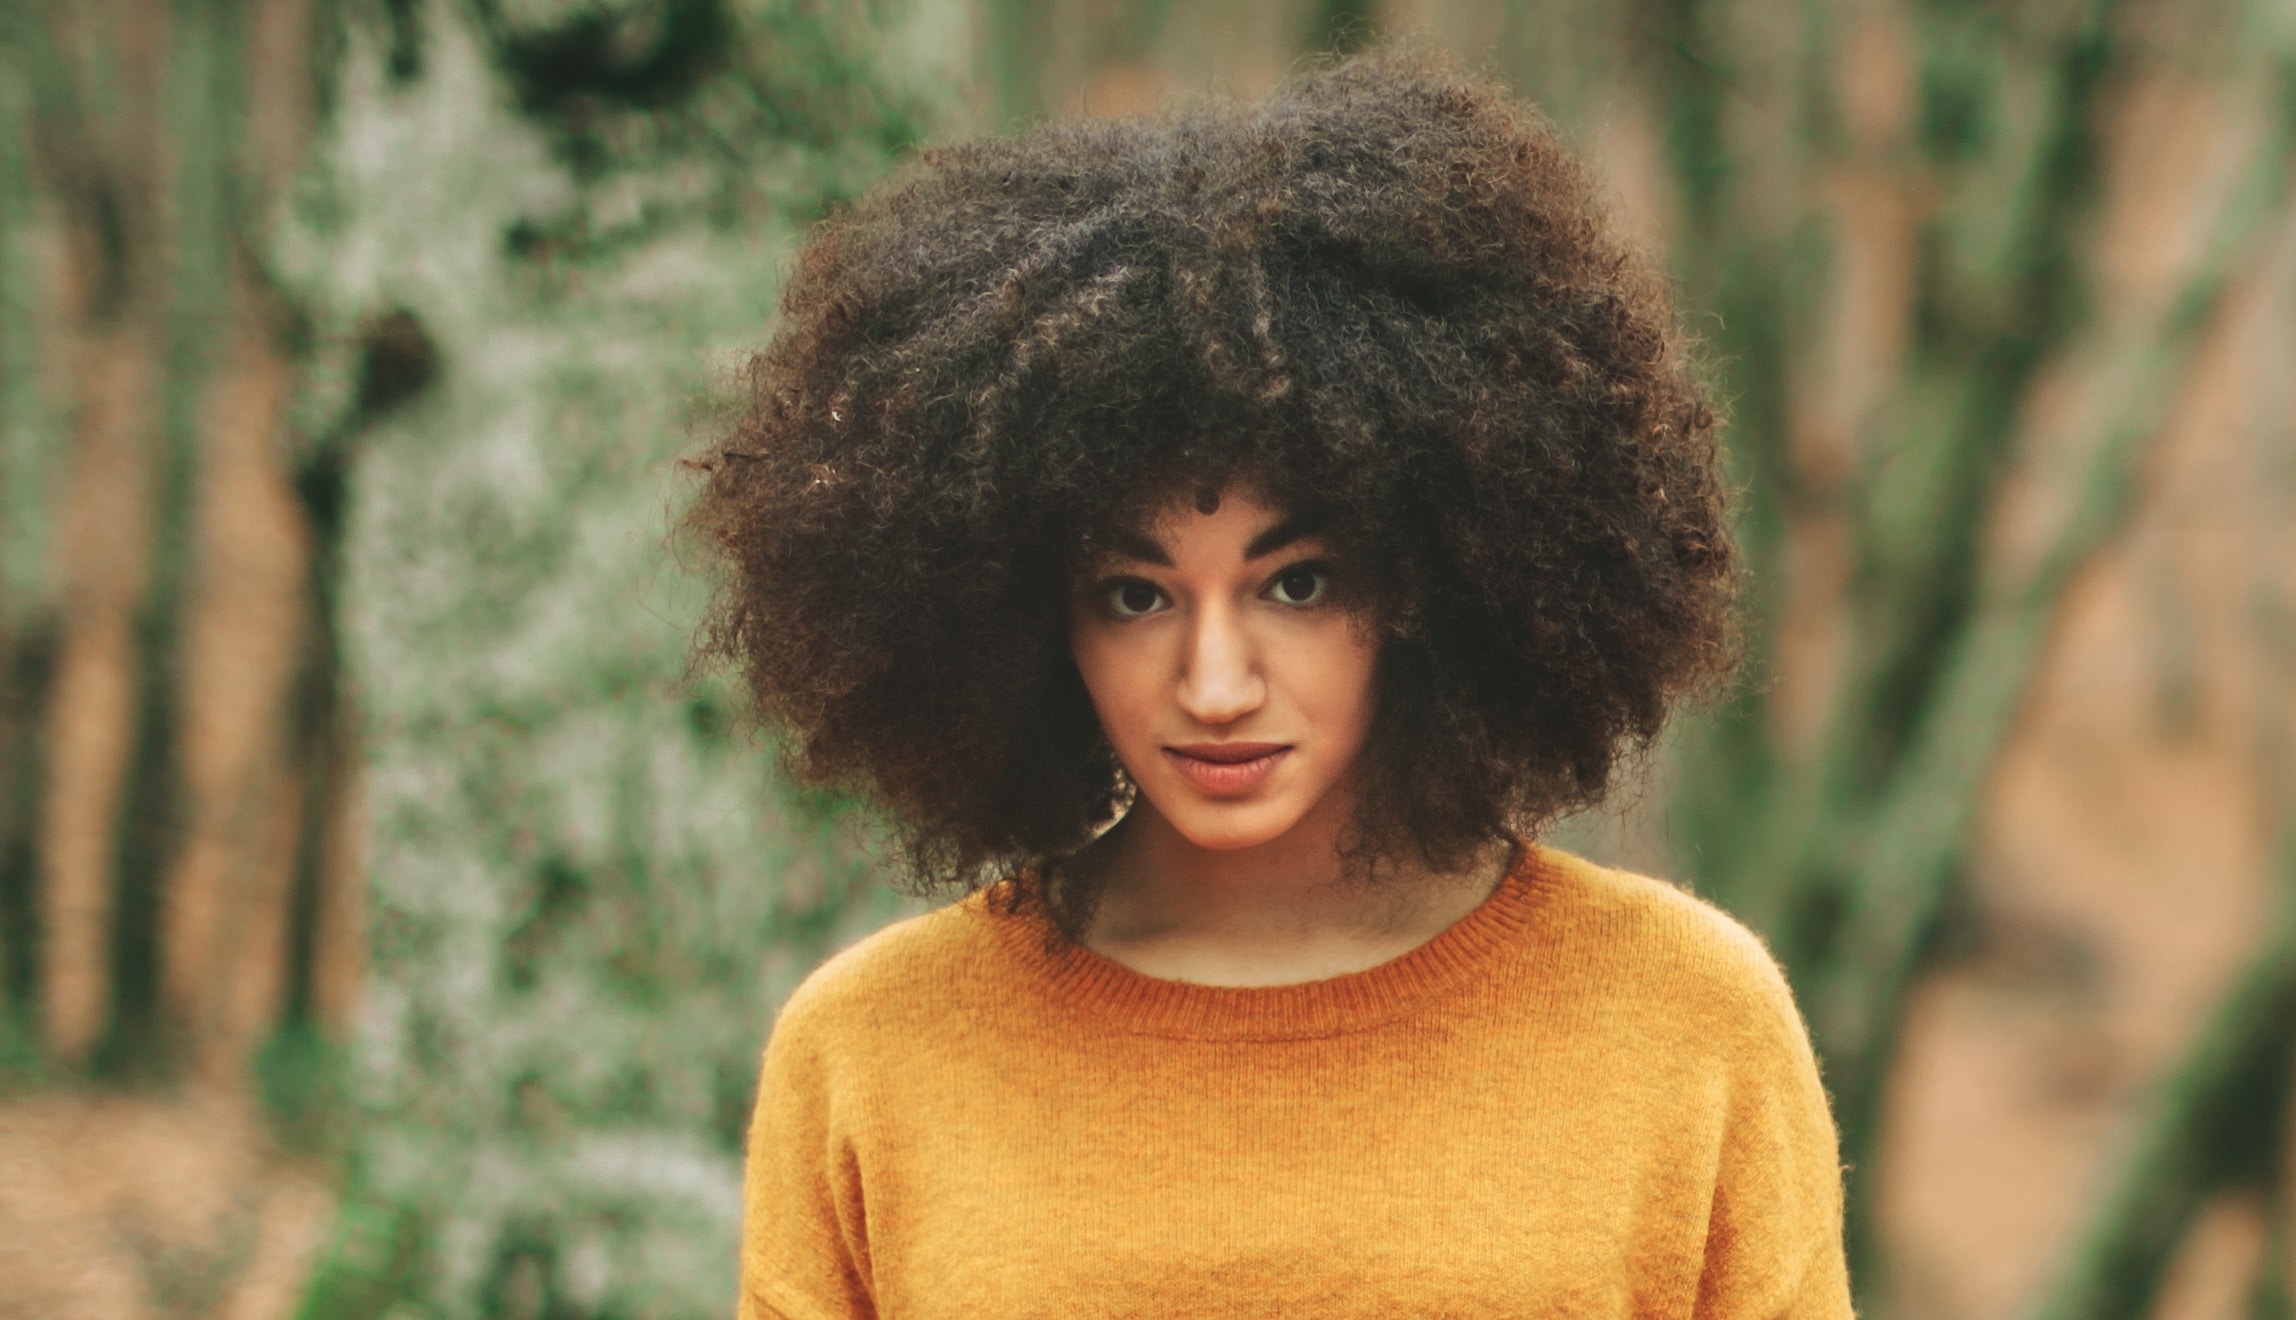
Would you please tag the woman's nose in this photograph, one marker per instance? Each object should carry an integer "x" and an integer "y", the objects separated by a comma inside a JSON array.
[{"x": 1220, "y": 679}]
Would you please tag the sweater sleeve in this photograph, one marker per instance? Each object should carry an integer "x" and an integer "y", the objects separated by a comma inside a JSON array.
[
  {"x": 1774, "y": 1234},
  {"x": 803, "y": 1252}
]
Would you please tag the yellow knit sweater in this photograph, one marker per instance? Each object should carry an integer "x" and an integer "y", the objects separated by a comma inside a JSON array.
[{"x": 1591, "y": 1096}]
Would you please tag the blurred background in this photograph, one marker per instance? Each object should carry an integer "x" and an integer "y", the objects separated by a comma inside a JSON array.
[{"x": 389, "y": 922}]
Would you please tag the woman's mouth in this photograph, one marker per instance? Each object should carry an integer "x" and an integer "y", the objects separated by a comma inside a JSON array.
[{"x": 1227, "y": 769}]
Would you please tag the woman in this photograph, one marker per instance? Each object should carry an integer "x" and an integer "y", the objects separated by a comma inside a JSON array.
[{"x": 1222, "y": 542}]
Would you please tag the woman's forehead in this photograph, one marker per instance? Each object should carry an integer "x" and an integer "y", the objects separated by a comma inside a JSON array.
[
  {"x": 1150, "y": 511},
  {"x": 1178, "y": 498},
  {"x": 1239, "y": 514}
]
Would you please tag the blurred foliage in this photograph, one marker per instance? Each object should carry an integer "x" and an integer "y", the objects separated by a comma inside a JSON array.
[
  {"x": 526, "y": 227},
  {"x": 65, "y": 118},
  {"x": 498, "y": 273}
]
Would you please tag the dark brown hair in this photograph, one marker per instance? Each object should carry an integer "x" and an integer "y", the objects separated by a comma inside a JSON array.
[{"x": 1388, "y": 294}]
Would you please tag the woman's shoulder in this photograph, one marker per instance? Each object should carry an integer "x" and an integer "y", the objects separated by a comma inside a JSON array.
[
  {"x": 1661, "y": 943},
  {"x": 910, "y": 968}
]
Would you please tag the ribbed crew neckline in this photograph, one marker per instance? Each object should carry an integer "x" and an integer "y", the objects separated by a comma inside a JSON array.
[{"x": 1148, "y": 1005}]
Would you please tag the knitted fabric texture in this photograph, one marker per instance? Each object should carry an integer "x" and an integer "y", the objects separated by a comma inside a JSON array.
[{"x": 1591, "y": 1096}]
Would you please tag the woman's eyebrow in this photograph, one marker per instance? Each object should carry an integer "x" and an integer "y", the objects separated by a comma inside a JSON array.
[
  {"x": 1282, "y": 534},
  {"x": 1131, "y": 545}
]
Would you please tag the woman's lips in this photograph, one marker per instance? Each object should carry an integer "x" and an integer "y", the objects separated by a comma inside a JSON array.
[{"x": 1227, "y": 769}]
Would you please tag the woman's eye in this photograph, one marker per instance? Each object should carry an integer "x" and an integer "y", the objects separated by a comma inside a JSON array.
[
  {"x": 1130, "y": 600},
  {"x": 1302, "y": 585}
]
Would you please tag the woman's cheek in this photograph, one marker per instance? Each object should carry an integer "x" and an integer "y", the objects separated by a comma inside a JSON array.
[
  {"x": 1335, "y": 682},
  {"x": 1116, "y": 677}
]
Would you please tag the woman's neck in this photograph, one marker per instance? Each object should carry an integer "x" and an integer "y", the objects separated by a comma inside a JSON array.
[{"x": 1275, "y": 914}]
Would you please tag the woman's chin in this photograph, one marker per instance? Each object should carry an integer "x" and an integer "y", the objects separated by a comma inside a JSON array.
[{"x": 1226, "y": 827}]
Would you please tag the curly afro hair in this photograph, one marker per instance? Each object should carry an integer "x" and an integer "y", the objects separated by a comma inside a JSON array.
[{"x": 1388, "y": 296}]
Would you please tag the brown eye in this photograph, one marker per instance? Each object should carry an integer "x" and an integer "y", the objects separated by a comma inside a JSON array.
[
  {"x": 1302, "y": 584},
  {"x": 1130, "y": 600}
]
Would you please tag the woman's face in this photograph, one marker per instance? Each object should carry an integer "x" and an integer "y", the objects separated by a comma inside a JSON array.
[{"x": 1236, "y": 692}]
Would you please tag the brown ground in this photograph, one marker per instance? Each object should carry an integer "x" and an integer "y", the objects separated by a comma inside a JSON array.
[{"x": 118, "y": 1207}]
